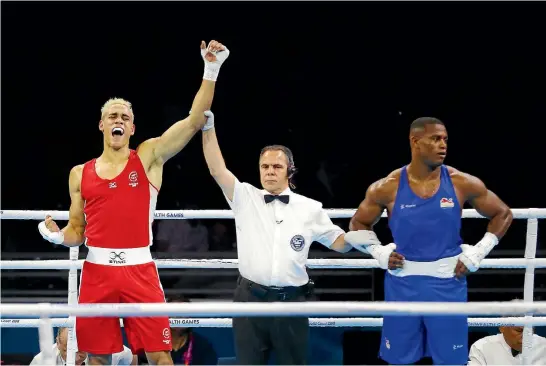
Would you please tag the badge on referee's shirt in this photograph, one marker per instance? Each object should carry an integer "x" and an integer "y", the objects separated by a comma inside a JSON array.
[{"x": 297, "y": 243}]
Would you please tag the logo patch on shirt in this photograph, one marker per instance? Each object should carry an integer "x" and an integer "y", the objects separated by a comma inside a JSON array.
[
  {"x": 447, "y": 203},
  {"x": 167, "y": 336},
  {"x": 297, "y": 243},
  {"x": 133, "y": 179}
]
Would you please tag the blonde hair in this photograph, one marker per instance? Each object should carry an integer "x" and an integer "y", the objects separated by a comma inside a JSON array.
[{"x": 113, "y": 101}]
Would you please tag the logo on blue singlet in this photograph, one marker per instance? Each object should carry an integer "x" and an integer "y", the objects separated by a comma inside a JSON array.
[{"x": 297, "y": 243}]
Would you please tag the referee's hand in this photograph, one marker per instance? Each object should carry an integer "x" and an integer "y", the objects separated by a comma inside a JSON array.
[{"x": 396, "y": 260}]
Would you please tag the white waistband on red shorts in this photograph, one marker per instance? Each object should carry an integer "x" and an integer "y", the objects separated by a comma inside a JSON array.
[
  {"x": 442, "y": 268},
  {"x": 119, "y": 257}
]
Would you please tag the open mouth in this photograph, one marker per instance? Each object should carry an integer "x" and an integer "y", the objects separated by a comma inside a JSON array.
[
  {"x": 117, "y": 131},
  {"x": 442, "y": 154}
]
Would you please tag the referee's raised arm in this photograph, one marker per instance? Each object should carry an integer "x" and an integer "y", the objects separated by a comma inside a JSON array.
[{"x": 214, "y": 158}]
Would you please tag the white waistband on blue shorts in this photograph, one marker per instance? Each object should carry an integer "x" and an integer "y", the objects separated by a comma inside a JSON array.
[
  {"x": 119, "y": 257},
  {"x": 442, "y": 268}
]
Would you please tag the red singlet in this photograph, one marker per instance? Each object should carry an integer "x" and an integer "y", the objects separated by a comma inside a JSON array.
[
  {"x": 120, "y": 211},
  {"x": 119, "y": 267}
]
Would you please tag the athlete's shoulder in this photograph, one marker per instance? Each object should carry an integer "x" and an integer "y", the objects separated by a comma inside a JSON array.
[
  {"x": 75, "y": 177},
  {"x": 78, "y": 168},
  {"x": 147, "y": 144},
  {"x": 77, "y": 171},
  {"x": 388, "y": 183},
  {"x": 383, "y": 190},
  {"x": 146, "y": 151},
  {"x": 463, "y": 179}
]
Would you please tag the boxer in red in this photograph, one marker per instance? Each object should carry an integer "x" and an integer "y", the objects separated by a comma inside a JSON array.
[{"x": 113, "y": 199}]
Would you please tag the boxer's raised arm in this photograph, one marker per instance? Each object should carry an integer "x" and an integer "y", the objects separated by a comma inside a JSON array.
[
  {"x": 370, "y": 209},
  {"x": 171, "y": 142},
  {"x": 74, "y": 230},
  {"x": 216, "y": 164}
]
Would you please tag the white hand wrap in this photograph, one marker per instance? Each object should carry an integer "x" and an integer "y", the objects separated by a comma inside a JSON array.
[
  {"x": 382, "y": 253},
  {"x": 366, "y": 241},
  {"x": 52, "y": 237},
  {"x": 213, "y": 68},
  {"x": 210, "y": 121},
  {"x": 473, "y": 255}
]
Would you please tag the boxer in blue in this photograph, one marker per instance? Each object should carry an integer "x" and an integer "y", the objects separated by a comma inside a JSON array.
[{"x": 427, "y": 261}]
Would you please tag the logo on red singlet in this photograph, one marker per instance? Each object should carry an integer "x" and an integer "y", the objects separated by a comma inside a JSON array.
[
  {"x": 167, "y": 335},
  {"x": 133, "y": 179},
  {"x": 446, "y": 203}
]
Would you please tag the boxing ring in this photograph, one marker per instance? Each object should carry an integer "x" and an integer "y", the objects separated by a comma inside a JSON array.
[{"x": 322, "y": 314}]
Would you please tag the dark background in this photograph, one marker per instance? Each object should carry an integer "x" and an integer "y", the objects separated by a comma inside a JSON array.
[{"x": 339, "y": 83}]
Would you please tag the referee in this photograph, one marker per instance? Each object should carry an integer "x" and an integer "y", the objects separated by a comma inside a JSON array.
[{"x": 275, "y": 228}]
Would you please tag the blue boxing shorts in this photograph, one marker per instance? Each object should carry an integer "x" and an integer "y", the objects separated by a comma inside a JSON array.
[{"x": 407, "y": 339}]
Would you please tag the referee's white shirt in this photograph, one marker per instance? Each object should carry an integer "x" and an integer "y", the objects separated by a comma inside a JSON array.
[
  {"x": 273, "y": 239},
  {"x": 493, "y": 350}
]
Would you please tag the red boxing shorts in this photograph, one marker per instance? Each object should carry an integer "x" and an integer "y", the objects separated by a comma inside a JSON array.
[{"x": 121, "y": 276}]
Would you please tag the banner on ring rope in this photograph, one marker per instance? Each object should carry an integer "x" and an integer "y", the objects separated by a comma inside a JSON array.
[
  {"x": 313, "y": 322},
  {"x": 279, "y": 309},
  {"x": 340, "y": 213},
  {"x": 348, "y": 263}
]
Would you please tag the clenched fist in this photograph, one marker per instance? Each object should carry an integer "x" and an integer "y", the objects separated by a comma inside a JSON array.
[
  {"x": 50, "y": 231},
  {"x": 214, "y": 56}
]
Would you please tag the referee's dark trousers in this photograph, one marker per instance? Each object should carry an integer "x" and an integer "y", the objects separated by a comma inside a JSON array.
[{"x": 255, "y": 337}]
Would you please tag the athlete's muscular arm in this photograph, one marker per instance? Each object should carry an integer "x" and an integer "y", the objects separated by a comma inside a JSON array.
[
  {"x": 216, "y": 164},
  {"x": 369, "y": 211},
  {"x": 367, "y": 215},
  {"x": 160, "y": 149},
  {"x": 171, "y": 142},
  {"x": 73, "y": 233},
  {"x": 74, "y": 230},
  {"x": 489, "y": 205},
  {"x": 178, "y": 135}
]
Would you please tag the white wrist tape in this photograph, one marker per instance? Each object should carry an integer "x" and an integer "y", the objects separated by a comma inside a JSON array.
[
  {"x": 210, "y": 121},
  {"x": 211, "y": 72},
  {"x": 52, "y": 237},
  {"x": 361, "y": 238},
  {"x": 473, "y": 255},
  {"x": 382, "y": 253},
  {"x": 213, "y": 68},
  {"x": 366, "y": 241}
]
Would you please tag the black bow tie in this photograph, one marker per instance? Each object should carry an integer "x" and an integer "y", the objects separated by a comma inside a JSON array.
[
  {"x": 514, "y": 352},
  {"x": 271, "y": 197}
]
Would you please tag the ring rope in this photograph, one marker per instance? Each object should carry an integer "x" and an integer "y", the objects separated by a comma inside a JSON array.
[
  {"x": 233, "y": 263},
  {"x": 338, "y": 213},
  {"x": 279, "y": 309},
  {"x": 313, "y": 322}
]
